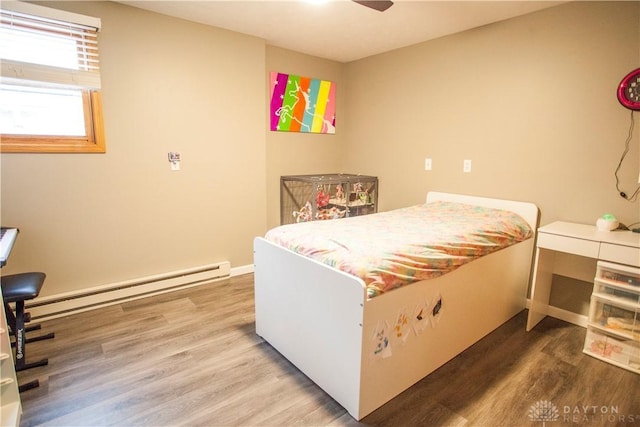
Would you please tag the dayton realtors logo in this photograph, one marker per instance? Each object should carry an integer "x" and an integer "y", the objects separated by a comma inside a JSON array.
[{"x": 545, "y": 411}]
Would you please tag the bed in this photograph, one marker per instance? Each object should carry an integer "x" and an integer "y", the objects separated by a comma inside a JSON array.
[{"x": 364, "y": 344}]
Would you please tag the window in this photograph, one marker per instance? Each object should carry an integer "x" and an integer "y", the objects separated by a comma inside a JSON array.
[{"x": 50, "y": 81}]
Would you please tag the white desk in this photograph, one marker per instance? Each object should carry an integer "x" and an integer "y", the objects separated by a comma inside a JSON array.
[{"x": 587, "y": 245}]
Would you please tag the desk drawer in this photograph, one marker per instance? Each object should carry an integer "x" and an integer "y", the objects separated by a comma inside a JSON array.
[
  {"x": 587, "y": 248},
  {"x": 620, "y": 254}
]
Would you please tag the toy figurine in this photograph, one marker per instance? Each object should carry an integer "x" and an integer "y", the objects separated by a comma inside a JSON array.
[
  {"x": 304, "y": 214},
  {"x": 339, "y": 192},
  {"x": 330, "y": 213},
  {"x": 322, "y": 198}
]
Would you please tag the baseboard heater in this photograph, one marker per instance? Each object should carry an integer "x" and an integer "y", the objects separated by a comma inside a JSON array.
[{"x": 54, "y": 306}]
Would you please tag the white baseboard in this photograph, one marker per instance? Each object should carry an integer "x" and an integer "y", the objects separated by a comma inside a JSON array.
[
  {"x": 243, "y": 269},
  {"x": 567, "y": 316},
  {"x": 53, "y": 306}
]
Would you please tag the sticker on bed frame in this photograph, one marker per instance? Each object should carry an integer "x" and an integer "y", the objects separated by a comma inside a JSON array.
[
  {"x": 421, "y": 317},
  {"x": 401, "y": 326},
  {"x": 437, "y": 310},
  {"x": 381, "y": 340}
]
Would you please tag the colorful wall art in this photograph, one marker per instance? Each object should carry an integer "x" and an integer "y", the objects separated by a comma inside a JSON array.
[{"x": 302, "y": 104}]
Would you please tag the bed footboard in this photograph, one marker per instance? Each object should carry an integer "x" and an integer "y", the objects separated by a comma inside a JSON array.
[{"x": 313, "y": 316}]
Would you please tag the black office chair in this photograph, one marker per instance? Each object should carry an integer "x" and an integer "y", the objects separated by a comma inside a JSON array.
[{"x": 18, "y": 288}]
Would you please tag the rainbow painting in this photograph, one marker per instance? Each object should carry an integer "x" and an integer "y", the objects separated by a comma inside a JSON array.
[{"x": 302, "y": 104}]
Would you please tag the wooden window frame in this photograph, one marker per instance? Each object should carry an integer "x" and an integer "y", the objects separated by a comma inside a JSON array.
[
  {"x": 93, "y": 142},
  {"x": 27, "y": 19}
]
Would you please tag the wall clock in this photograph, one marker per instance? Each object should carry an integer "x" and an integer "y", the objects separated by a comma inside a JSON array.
[{"x": 629, "y": 90}]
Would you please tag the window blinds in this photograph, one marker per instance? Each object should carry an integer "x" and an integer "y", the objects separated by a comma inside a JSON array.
[{"x": 41, "y": 46}]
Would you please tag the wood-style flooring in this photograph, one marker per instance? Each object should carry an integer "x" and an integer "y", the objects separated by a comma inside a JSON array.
[{"x": 192, "y": 358}]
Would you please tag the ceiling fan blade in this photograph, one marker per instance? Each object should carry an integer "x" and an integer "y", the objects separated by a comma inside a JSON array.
[{"x": 379, "y": 5}]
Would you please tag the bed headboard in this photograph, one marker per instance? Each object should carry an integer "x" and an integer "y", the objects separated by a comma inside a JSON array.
[{"x": 526, "y": 210}]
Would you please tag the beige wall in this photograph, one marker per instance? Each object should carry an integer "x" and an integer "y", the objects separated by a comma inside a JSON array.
[
  {"x": 168, "y": 85},
  {"x": 531, "y": 101}
]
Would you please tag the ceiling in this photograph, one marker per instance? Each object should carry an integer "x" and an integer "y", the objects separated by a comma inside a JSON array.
[{"x": 342, "y": 30}]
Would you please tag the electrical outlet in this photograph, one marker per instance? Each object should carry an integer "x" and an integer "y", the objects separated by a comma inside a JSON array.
[
  {"x": 466, "y": 166},
  {"x": 427, "y": 164}
]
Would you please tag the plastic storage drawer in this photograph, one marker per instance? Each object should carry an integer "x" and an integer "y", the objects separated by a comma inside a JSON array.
[
  {"x": 615, "y": 315},
  {"x": 618, "y": 351},
  {"x": 613, "y": 330}
]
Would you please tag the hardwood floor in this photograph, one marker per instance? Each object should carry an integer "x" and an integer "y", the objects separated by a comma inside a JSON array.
[{"x": 192, "y": 358}]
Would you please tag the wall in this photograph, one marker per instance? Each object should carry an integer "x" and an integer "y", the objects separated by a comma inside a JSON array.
[
  {"x": 531, "y": 101},
  {"x": 168, "y": 85},
  {"x": 290, "y": 153}
]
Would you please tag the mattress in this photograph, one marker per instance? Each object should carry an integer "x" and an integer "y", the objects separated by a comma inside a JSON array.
[{"x": 391, "y": 249}]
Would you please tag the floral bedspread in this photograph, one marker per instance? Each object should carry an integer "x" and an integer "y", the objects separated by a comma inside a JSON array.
[{"x": 392, "y": 249}]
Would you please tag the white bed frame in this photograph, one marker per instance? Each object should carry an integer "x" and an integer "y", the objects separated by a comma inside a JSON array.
[{"x": 319, "y": 318}]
